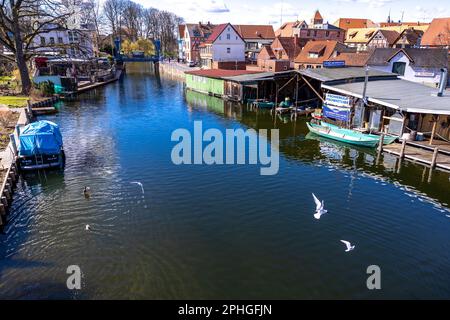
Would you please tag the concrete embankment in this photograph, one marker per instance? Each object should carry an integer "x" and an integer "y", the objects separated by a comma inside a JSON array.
[
  {"x": 9, "y": 173},
  {"x": 174, "y": 70}
]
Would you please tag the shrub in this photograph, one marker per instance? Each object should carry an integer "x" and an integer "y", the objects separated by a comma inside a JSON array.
[{"x": 45, "y": 88}]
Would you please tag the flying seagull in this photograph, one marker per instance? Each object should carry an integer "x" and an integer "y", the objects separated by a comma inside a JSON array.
[
  {"x": 319, "y": 207},
  {"x": 88, "y": 227},
  {"x": 349, "y": 245}
]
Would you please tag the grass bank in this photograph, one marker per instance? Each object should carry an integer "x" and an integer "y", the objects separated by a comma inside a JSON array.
[{"x": 13, "y": 101}]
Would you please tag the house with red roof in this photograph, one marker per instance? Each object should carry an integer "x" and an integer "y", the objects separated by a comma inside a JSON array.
[
  {"x": 191, "y": 35},
  {"x": 223, "y": 49},
  {"x": 280, "y": 55},
  {"x": 255, "y": 37},
  {"x": 383, "y": 39},
  {"x": 438, "y": 34},
  {"x": 316, "y": 30},
  {"x": 314, "y": 53}
]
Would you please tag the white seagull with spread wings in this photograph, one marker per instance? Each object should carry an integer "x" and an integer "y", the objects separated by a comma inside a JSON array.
[
  {"x": 348, "y": 245},
  {"x": 320, "y": 207}
]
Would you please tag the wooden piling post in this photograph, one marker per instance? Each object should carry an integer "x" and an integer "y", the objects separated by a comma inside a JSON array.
[
  {"x": 434, "y": 158},
  {"x": 402, "y": 150},
  {"x": 4, "y": 201},
  {"x": 7, "y": 194},
  {"x": 2, "y": 210},
  {"x": 381, "y": 142},
  {"x": 433, "y": 130},
  {"x": 13, "y": 143}
]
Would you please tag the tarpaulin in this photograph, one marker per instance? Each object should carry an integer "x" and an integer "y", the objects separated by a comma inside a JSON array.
[{"x": 41, "y": 137}]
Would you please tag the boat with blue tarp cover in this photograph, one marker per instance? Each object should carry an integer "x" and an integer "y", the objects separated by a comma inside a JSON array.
[{"x": 40, "y": 146}]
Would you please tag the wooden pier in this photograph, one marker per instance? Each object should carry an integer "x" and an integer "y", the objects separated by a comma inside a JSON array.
[{"x": 433, "y": 157}]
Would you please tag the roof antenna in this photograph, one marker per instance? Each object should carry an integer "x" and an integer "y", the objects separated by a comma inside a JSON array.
[{"x": 281, "y": 13}]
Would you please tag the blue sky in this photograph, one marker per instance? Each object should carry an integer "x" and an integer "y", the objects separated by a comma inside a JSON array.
[{"x": 266, "y": 11}]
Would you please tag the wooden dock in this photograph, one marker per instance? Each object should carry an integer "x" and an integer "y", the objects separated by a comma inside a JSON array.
[{"x": 420, "y": 155}]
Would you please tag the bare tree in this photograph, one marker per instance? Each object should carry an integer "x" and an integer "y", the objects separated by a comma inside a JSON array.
[
  {"x": 132, "y": 17},
  {"x": 113, "y": 12},
  {"x": 20, "y": 22}
]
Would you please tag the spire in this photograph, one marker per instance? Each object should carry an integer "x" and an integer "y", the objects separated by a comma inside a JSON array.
[
  {"x": 389, "y": 16},
  {"x": 317, "y": 18}
]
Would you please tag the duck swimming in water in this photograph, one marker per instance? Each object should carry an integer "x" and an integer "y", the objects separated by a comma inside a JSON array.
[{"x": 86, "y": 192}]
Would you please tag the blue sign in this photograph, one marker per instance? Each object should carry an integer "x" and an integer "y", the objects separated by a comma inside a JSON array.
[
  {"x": 334, "y": 64},
  {"x": 337, "y": 113}
]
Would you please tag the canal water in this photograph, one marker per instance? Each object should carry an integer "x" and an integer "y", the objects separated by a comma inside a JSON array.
[{"x": 211, "y": 232}]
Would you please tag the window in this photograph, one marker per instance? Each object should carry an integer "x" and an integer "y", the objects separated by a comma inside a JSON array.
[
  {"x": 73, "y": 36},
  {"x": 228, "y": 50},
  {"x": 399, "y": 68},
  {"x": 52, "y": 40},
  {"x": 42, "y": 41},
  {"x": 327, "y": 34},
  {"x": 228, "y": 36},
  {"x": 60, "y": 40}
]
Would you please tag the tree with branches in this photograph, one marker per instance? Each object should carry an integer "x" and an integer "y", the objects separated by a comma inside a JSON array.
[{"x": 21, "y": 21}]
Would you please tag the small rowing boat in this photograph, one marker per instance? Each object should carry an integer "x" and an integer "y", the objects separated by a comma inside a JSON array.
[
  {"x": 343, "y": 135},
  {"x": 386, "y": 140}
]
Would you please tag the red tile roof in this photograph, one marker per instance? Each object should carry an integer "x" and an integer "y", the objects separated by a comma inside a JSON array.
[
  {"x": 217, "y": 31},
  {"x": 347, "y": 23},
  {"x": 330, "y": 47},
  {"x": 220, "y": 73},
  {"x": 255, "y": 31},
  {"x": 438, "y": 33},
  {"x": 266, "y": 53},
  {"x": 353, "y": 59},
  {"x": 390, "y": 35},
  {"x": 290, "y": 45},
  {"x": 317, "y": 15},
  {"x": 181, "y": 28}
]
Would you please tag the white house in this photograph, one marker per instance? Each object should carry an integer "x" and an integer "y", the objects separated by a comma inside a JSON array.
[
  {"x": 77, "y": 38},
  {"x": 224, "y": 45},
  {"x": 412, "y": 64}
]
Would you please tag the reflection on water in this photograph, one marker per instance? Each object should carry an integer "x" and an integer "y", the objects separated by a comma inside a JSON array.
[{"x": 165, "y": 231}]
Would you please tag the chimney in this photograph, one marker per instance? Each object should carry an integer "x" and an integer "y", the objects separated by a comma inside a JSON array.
[{"x": 442, "y": 82}]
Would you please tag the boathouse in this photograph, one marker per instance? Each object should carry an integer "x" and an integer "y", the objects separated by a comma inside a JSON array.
[
  {"x": 212, "y": 81},
  {"x": 398, "y": 106}
]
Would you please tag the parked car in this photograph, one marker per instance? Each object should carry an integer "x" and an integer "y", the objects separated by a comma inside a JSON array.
[{"x": 192, "y": 64}]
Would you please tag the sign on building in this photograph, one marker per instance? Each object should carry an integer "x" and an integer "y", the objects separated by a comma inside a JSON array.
[
  {"x": 334, "y": 64},
  {"x": 337, "y": 113},
  {"x": 337, "y": 100}
]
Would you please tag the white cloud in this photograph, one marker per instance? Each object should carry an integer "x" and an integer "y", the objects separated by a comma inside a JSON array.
[{"x": 216, "y": 7}]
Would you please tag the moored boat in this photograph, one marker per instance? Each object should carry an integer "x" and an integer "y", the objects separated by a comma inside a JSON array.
[
  {"x": 40, "y": 146},
  {"x": 343, "y": 135},
  {"x": 388, "y": 139}
]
